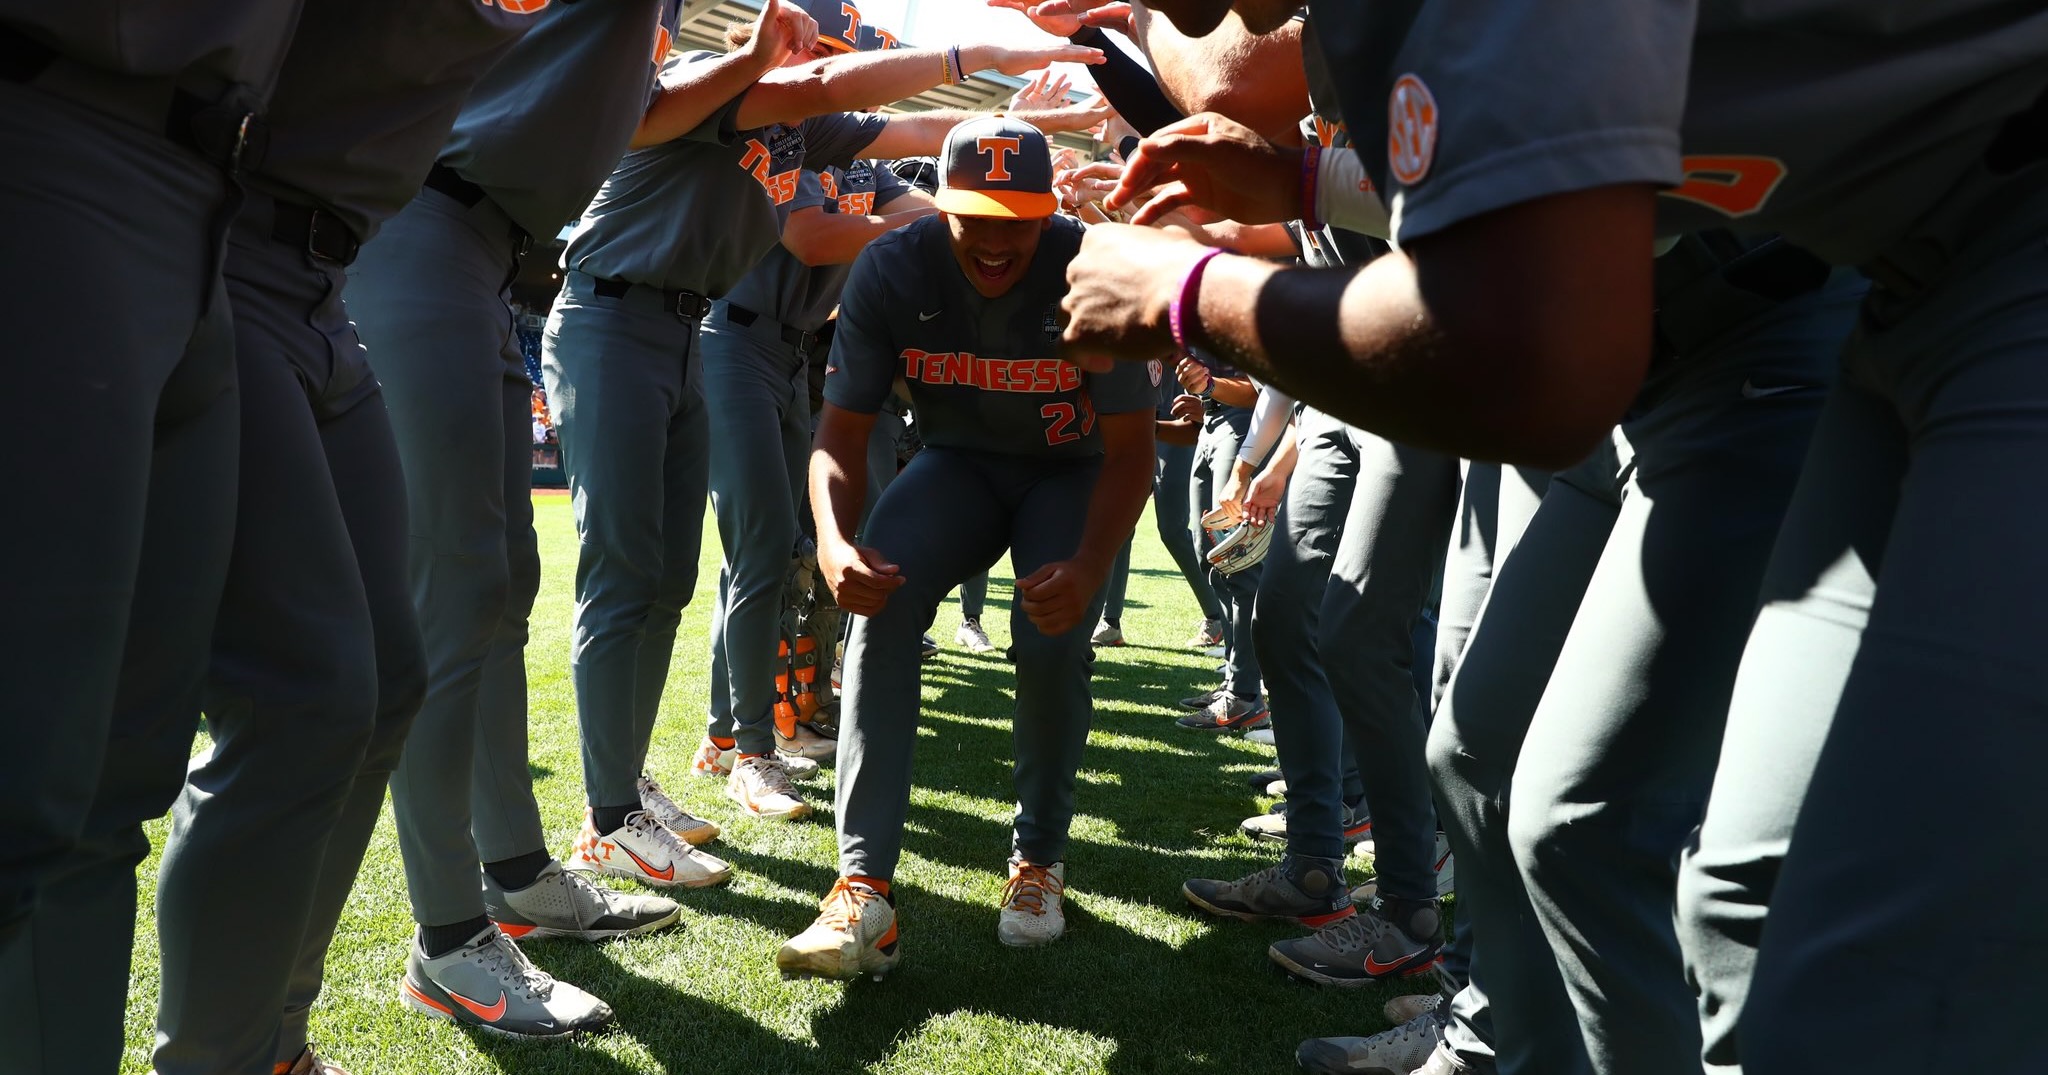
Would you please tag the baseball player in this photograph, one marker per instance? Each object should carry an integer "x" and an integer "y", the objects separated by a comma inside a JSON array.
[
  {"x": 121, "y": 127},
  {"x": 1020, "y": 452},
  {"x": 316, "y": 653},
  {"x": 1227, "y": 397},
  {"x": 532, "y": 144},
  {"x": 757, "y": 345},
  {"x": 1881, "y": 141},
  {"x": 675, "y": 227}
]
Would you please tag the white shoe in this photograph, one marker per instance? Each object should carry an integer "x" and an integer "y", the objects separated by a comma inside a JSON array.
[
  {"x": 560, "y": 903},
  {"x": 712, "y": 759},
  {"x": 760, "y": 785},
  {"x": 693, "y": 829},
  {"x": 644, "y": 850},
  {"x": 796, "y": 765},
  {"x": 1446, "y": 866},
  {"x": 1108, "y": 634},
  {"x": 972, "y": 637},
  {"x": 1218, "y": 652},
  {"x": 1264, "y": 737},
  {"x": 1034, "y": 905},
  {"x": 854, "y": 934}
]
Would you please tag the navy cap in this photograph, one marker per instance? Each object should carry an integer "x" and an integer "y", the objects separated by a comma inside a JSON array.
[
  {"x": 839, "y": 25},
  {"x": 996, "y": 166},
  {"x": 874, "y": 39}
]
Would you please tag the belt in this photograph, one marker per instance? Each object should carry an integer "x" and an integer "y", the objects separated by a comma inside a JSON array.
[
  {"x": 791, "y": 335},
  {"x": 448, "y": 181},
  {"x": 316, "y": 231},
  {"x": 226, "y": 129},
  {"x": 1710, "y": 279},
  {"x": 687, "y": 305}
]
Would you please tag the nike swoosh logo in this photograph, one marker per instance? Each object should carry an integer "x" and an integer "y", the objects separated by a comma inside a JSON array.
[
  {"x": 1751, "y": 391},
  {"x": 1376, "y": 968},
  {"x": 929, "y": 316},
  {"x": 490, "y": 1014},
  {"x": 666, "y": 874}
]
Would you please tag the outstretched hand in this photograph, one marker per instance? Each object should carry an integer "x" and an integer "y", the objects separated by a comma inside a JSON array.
[
  {"x": 1217, "y": 163},
  {"x": 782, "y": 29}
]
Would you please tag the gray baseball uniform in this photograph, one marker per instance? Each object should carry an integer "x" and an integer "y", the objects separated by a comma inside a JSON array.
[
  {"x": 1907, "y": 148},
  {"x": 1010, "y": 460},
  {"x": 535, "y": 139},
  {"x": 675, "y": 226},
  {"x": 1223, "y": 429},
  {"x": 118, "y": 123},
  {"x": 1171, "y": 514},
  {"x": 316, "y": 653},
  {"x": 757, "y": 348}
]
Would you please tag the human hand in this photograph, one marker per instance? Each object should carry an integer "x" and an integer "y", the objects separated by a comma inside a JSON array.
[
  {"x": 1193, "y": 375},
  {"x": 1078, "y": 13},
  {"x": 1045, "y": 90},
  {"x": 1215, "y": 162},
  {"x": 860, "y": 578},
  {"x": 1263, "y": 499},
  {"x": 1078, "y": 116},
  {"x": 1023, "y": 61},
  {"x": 780, "y": 30},
  {"x": 1120, "y": 292},
  {"x": 1056, "y": 597},
  {"x": 1189, "y": 408}
]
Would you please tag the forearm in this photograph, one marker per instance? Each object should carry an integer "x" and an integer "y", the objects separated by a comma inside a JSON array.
[
  {"x": 1176, "y": 432},
  {"x": 838, "y": 238},
  {"x": 838, "y": 486},
  {"x": 1121, "y": 492},
  {"x": 852, "y": 83},
  {"x": 1280, "y": 465},
  {"x": 1233, "y": 391},
  {"x": 1131, "y": 89},
  {"x": 680, "y": 108}
]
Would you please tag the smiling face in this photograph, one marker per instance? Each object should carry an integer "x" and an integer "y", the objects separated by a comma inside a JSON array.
[{"x": 994, "y": 253}]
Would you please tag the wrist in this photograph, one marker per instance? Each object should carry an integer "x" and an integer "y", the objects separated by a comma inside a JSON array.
[
  {"x": 974, "y": 58},
  {"x": 1184, "y": 313}
]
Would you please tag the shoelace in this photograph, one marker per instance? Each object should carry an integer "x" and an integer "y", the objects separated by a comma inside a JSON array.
[
  {"x": 1266, "y": 876},
  {"x": 665, "y": 809},
  {"x": 503, "y": 960},
  {"x": 840, "y": 908},
  {"x": 1352, "y": 933},
  {"x": 587, "y": 901},
  {"x": 1028, "y": 888},
  {"x": 773, "y": 778},
  {"x": 647, "y": 825}
]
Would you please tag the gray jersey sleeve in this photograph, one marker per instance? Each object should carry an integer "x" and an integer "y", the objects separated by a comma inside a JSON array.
[
  {"x": 834, "y": 139},
  {"x": 1494, "y": 104},
  {"x": 862, "y": 368},
  {"x": 722, "y": 125},
  {"x": 810, "y": 192},
  {"x": 1126, "y": 387}
]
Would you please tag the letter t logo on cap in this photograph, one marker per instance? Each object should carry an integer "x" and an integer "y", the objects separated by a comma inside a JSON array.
[{"x": 999, "y": 150}]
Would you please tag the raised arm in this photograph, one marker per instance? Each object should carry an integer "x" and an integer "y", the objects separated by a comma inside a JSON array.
[{"x": 872, "y": 79}]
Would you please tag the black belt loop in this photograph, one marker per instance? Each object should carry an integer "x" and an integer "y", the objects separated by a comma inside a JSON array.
[
  {"x": 687, "y": 304},
  {"x": 318, "y": 232},
  {"x": 791, "y": 335},
  {"x": 450, "y": 182}
]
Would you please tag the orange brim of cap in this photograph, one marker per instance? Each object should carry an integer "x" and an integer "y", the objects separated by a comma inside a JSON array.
[
  {"x": 1013, "y": 204},
  {"x": 836, "y": 43}
]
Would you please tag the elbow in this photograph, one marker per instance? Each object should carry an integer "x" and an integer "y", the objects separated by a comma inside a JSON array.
[{"x": 807, "y": 249}]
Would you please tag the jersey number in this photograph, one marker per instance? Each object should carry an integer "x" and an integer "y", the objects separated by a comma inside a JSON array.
[
  {"x": 1734, "y": 186},
  {"x": 1061, "y": 416}
]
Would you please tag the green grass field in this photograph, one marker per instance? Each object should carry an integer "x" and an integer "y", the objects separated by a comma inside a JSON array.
[{"x": 1139, "y": 984}]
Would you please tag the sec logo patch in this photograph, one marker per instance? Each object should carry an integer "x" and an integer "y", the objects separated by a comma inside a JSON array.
[
  {"x": 1411, "y": 130},
  {"x": 1157, "y": 370}
]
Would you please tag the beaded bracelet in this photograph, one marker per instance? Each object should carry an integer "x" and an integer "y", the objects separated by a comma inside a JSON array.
[
  {"x": 1187, "y": 304},
  {"x": 1311, "y": 160}
]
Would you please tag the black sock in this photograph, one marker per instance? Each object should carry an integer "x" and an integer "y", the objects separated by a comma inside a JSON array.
[
  {"x": 521, "y": 871},
  {"x": 610, "y": 818},
  {"x": 1114, "y": 621},
  {"x": 438, "y": 941}
]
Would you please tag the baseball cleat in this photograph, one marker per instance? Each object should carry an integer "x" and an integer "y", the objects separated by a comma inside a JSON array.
[
  {"x": 930, "y": 648},
  {"x": 488, "y": 983},
  {"x": 644, "y": 850},
  {"x": 563, "y": 904},
  {"x": 807, "y": 745},
  {"x": 1305, "y": 891},
  {"x": 1108, "y": 634},
  {"x": 761, "y": 787},
  {"x": 854, "y": 934},
  {"x": 1218, "y": 651},
  {"x": 712, "y": 759},
  {"x": 1228, "y": 713},
  {"x": 972, "y": 638},
  {"x": 1263, "y": 777},
  {"x": 1446, "y": 867},
  {"x": 693, "y": 829},
  {"x": 1262, "y": 736},
  {"x": 1210, "y": 633},
  {"x": 308, "y": 1062},
  {"x": 1388, "y": 938},
  {"x": 1403, "y": 1008},
  {"x": 1272, "y": 825},
  {"x": 1034, "y": 905},
  {"x": 1204, "y": 700},
  {"x": 1399, "y": 1051}
]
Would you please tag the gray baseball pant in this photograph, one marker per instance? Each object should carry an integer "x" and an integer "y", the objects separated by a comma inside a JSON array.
[
  {"x": 991, "y": 502},
  {"x": 624, "y": 383},
  {"x": 1215, "y": 455},
  {"x": 757, "y": 399},
  {"x": 316, "y": 655},
  {"x": 429, "y": 297},
  {"x": 1170, "y": 480},
  {"x": 1899, "y": 637},
  {"x": 1363, "y": 530},
  {"x": 1575, "y": 744},
  {"x": 124, "y": 364}
]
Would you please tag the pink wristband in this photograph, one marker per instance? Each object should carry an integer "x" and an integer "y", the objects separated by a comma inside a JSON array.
[
  {"x": 1186, "y": 311},
  {"x": 1311, "y": 159}
]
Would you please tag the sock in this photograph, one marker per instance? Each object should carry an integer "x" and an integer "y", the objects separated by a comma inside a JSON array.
[
  {"x": 723, "y": 744},
  {"x": 519, "y": 871},
  {"x": 438, "y": 941},
  {"x": 610, "y": 818},
  {"x": 1114, "y": 621}
]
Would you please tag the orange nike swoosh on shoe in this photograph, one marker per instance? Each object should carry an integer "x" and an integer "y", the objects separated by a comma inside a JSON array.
[
  {"x": 1372, "y": 966},
  {"x": 490, "y": 1014},
  {"x": 668, "y": 874}
]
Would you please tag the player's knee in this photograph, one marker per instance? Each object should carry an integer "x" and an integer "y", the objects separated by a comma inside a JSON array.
[{"x": 1036, "y": 650}]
